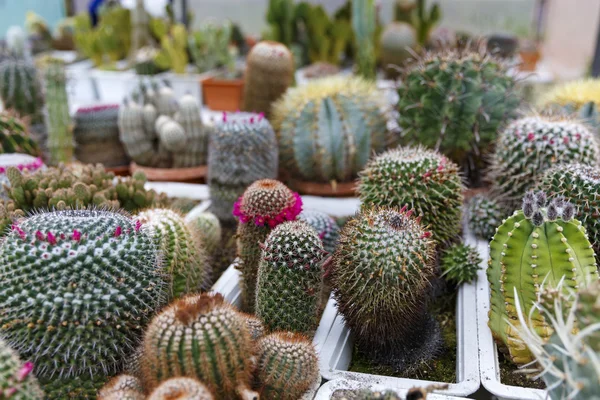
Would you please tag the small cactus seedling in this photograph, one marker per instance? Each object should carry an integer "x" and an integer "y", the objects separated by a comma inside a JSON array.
[
  {"x": 181, "y": 389},
  {"x": 326, "y": 227},
  {"x": 460, "y": 263},
  {"x": 484, "y": 215},
  {"x": 16, "y": 379}
]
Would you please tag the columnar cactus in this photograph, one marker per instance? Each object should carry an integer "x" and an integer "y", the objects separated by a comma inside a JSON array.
[
  {"x": 424, "y": 179},
  {"x": 460, "y": 263},
  {"x": 196, "y": 150},
  {"x": 530, "y": 146},
  {"x": 243, "y": 149},
  {"x": 14, "y": 138},
  {"x": 122, "y": 387},
  {"x": 269, "y": 72},
  {"x": 21, "y": 89},
  {"x": 139, "y": 147},
  {"x": 326, "y": 227},
  {"x": 581, "y": 97},
  {"x": 208, "y": 228},
  {"x": 381, "y": 275},
  {"x": 328, "y": 128},
  {"x": 16, "y": 380},
  {"x": 540, "y": 244},
  {"x": 181, "y": 389},
  {"x": 264, "y": 205},
  {"x": 290, "y": 278},
  {"x": 101, "y": 281},
  {"x": 364, "y": 20},
  {"x": 200, "y": 337},
  {"x": 287, "y": 366},
  {"x": 484, "y": 215}
]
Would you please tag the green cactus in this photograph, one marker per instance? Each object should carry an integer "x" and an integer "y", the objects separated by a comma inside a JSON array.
[
  {"x": 20, "y": 162},
  {"x": 87, "y": 40},
  {"x": 122, "y": 387},
  {"x": 182, "y": 389},
  {"x": 290, "y": 278},
  {"x": 208, "y": 228},
  {"x": 195, "y": 152},
  {"x": 209, "y": 45},
  {"x": 540, "y": 244},
  {"x": 173, "y": 54},
  {"x": 484, "y": 215},
  {"x": 288, "y": 366},
  {"x": 530, "y": 146},
  {"x": 454, "y": 102},
  {"x": 140, "y": 30},
  {"x": 281, "y": 19},
  {"x": 460, "y": 263},
  {"x": 326, "y": 227},
  {"x": 21, "y": 89},
  {"x": 363, "y": 25},
  {"x": 328, "y": 128},
  {"x": 199, "y": 337},
  {"x": 254, "y": 324},
  {"x": 424, "y": 21},
  {"x": 425, "y": 180},
  {"x": 381, "y": 274},
  {"x": 16, "y": 380},
  {"x": 14, "y": 137},
  {"x": 396, "y": 41},
  {"x": 242, "y": 150}
]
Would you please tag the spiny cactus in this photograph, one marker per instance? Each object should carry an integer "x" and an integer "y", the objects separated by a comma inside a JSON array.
[
  {"x": 425, "y": 180},
  {"x": 200, "y": 337},
  {"x": 540, "y": 244},
  {"x": 484, "y": 215},
  {"x": 460, "y": 263},
  {"x": 21, "y": 89},
  {"x": 243, "y": 149},
  {"x": 269, "y": 72},
  {"x": 364, "y": 20},
  {"x": 196, "y": 150},
  {"x": 396, "y": 41},
  {"x": 287, "y": 366},
  {"x": 581, "y": 97},
  {"x": 16, "y": 380},
  {"x": 14, "y": 138},
  {"x": 264, "y": 205},
  {"x": 122, "y": 387},
  {"x": 326, "y": 227},
  {"x": 208, "y": 228},
  {"x": 181, "y": 389},
  {"x": 21, "y": 162},
  {"x": 454, "y": 102},
  {"x": 290, "y": 278},
  {"x": 382, "y": 271},
  {"x": 139, "y": 147},
  {"x": 328, "y": 128},
  {"x": 254, "y": 324}
]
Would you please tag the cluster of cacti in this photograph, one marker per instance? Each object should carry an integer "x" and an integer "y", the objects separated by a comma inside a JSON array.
[
  {"x": 173, "y": 53},
  {"x": 363, "y": 26},
  {"x": 16, "y": 380},
  {"x": 325, "y": 226},
  {"x": 455, "y": 102},
  {"x": 14, "y": 137},
  {"x": 581, "y": 97},
  {"x": 541, "y": 244},
  {"x": 21, "y": 88},
  {"x": 242, "y": 150},
  {"x": 484, "y": 215},
  {"x": 460, "y": 263},
  {"x": 208, "y": 228},
  {"x": 426, "y": 181},
  {"x": 23, "y": 162},
  {"x": 328, "y": 128},
  {"x": 209, "y": 45},
  {"x": 397, "y": 40},
  {"x": 529, "y": 146}
]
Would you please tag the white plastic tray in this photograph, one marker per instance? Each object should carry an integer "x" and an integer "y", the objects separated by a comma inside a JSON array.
[
  {"x": 187, "y": 83},
  {"x": 329, "y": 388}
]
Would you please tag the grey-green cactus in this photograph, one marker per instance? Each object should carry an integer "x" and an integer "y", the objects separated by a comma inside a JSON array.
[
  {"x": 326, "y": 227},
  {"x": 484, "y": 215},
  {"x": 195, "y": 152}
]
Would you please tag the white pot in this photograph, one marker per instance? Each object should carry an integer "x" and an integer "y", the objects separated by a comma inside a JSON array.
[
  {"x": 329, "y": 388},
  {"x": 187, "y": 83},
  {"x": 113, "y": 86}
]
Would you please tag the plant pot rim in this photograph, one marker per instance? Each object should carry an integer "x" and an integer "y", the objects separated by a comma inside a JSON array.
[
  {"x": 215, "y": 81},
  {"x": 334, "y": 189},
  {"x": 330, "y": 387},
  {"x": 119, "y": 170},
  {"x": 171, "y": 174}
]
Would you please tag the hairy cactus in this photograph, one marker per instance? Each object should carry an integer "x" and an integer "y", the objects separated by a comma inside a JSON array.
[
  {"x": 287, "y": 366},
  {"x": 243, "y": 149},
  {"x": 326, "y": 227},
  {"x": 381, "y": 274},
  {"x": 199, "y": 337},
  {"x": 540, "y": 244},
  {"x": 396, "y": 41},
  {"x": 14, "y": 138},
  {"x": 580, "y": 97},
  {"x": 122, "y": 387},
  {"x": 21, "y": 89},
  {"x": 269, "y": 72},
  {"x": 181, "y": 389},
  {"x": 454, "y": 102},
  {"x": 16, "y": 380},
  {"x": 208, "y": 228},
  {"x": 364, "y": 20},
  {"x": 196, "y": 150},
  {"x": 460, "y": 263},
  {"x": 171, "y": 134},
  {"x": 264, "y": 205},
  {"x": 484, "y": 215},
  {"x": 290, "y": 278},
  {"x": 425, "y": 180},
  {"x": 328, "y": 128}
]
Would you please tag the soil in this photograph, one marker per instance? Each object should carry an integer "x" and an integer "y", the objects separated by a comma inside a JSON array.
[{"x": 510, "y": 375}]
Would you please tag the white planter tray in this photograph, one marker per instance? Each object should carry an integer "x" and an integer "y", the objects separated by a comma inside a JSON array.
[
  {"x": 112, "y": 86},
  {"x": 329, "y": 388},
  {"x": 186, "y": 83}
]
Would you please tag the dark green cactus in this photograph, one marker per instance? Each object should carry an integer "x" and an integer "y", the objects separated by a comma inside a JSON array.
[
  {"x": 182, "y": 389},
  {"x": 14, "y": 138},
  {"x": 326, "y": 227},
  {"x": 460, "y": 263},
  {"x": 16, "y": 378},
  {"x": 363, "y": 25},
  {"x": 484, "y": 215},
  {"x": 21, "y": 89}
]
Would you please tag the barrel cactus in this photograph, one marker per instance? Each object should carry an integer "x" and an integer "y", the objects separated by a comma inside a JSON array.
[
  {"x": 460, "y": 263},
  {"x": 426, "y": 181},
  {"x": 579, "y": 97},
  {"x": 326, "y": 227},
  {"x": 16, "y": 379},
  {"x": 122, "y": 387},
  {"x": 484, "y": 215},
  {"x": 14, "y": 137},
  {"x": 181, "y": 389},
  {"x": 328, "y": 128},
  {"x": 540, "y": 244},
  {"x": 21, "y": 88},
  {"x": 396, "y": 41}
]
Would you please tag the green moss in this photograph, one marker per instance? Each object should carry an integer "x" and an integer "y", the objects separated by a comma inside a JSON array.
[{"x": 510, "y": 375}]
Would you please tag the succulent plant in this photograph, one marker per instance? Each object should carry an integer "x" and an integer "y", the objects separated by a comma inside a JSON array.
[
  {"x": 428, "y": 182},
  {"x": 195, "y": 152},
  {"x": 21, "y": 89},
  {"x": 326, "y": 227},
  {"x": 242, "y": 150},
  {"x": 381, "y": 274},
  {"x": 122, "y": 387},
  {"x": 208, "y": 228},
  {"x": 16, "y": 380},
  {"x": 396, "y": 41},
  {"x": 181, "y": 389},
  {"x": 287, "y": 366},
  {"x": 328, "y": 128},
  {"x": 530, "y": 146},
  {"x": 460, "y": 263},
  {"x": 290, "y": 278},
  {"x": 173, "y": 54},
  {"x": 484, "y": 215},
  {"x": 254, "y": 324},
  {"x": 264, "y": 205},
  {"x": 209, "y": 45},
  {"x": 580, "y": 97},
  {"x": 14, "y": 138},
  {"x": 21, "y": 162},
  {"x": 363, "y": 25},
  {"x": 367, "y": 394},
  {"x": 139, "y": 147},
  {"x": 540, "y": 244}
]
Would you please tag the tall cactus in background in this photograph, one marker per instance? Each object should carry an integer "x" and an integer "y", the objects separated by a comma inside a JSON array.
[
  {"x": 195, "y": 152},
  {"x": 16, "y": 379},
  {"x": 363, "y": 24},
  {"x": 173, "y": 54},
  {"x": 140, "y": 31},
  {"x": 21, "y": 89}
]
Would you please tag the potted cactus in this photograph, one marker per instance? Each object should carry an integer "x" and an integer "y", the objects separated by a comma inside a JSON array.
[{"x": 225, "y": 90}]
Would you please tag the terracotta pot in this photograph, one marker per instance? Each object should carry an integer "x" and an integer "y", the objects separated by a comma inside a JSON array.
[
  {"x": 223, "y": 94},
  {"x": 346, "y": 189},
  {"x": 530, "y": 59},
  {"x": 122, "y": 170},
  {"x": 191, "y": 175}
]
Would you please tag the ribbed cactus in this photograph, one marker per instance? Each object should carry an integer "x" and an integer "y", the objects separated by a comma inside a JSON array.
[
  {"x": 326, "y": 227},
  {"x": 14, "y": 138},
  {"x": 540, "y": 244},
  {"x": 269, "y": 72},
  {"x": 460, "y": 263},
  {"x": 530, "y": 146},
  {"x": 290, "y": 278},
  {"x": 243, "y": 149},
  {"x": 21, "y": 162},
  {"x": 397, "y": 40},
  {"x": 426, "y": 181},
  {"x": 287, "y": 366},
  {"x": 21, "y": 89},
  {"x": 382, "y": 272},
  {"x": 254, "y": 324},
  {"x": 580, "y": 97},
  {"x": 264, "y": 205},
  {"x": 196, "y": 150},
  {"x": 16, "y": 378},
  {"x": 208, "y": 228},
  {"x": 200, "y": 337},
  {"x": 484, "y": 215},
  {"x": 328, "y": 128},
  {"x": 363, "y": 24},
  {"x": 122, "y": 387},
  {"x": 181, "y": 389},
  {"x": 139, "y": 147}
]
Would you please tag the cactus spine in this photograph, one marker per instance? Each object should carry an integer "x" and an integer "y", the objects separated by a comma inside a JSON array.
[
  {"x": 16, "y": 380},
  {"x": 460, "y": 263},
  {"x": 363, "y": 24},
  {"x": 58, "y": 119}
]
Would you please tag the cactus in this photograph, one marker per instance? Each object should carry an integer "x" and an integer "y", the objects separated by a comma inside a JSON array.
[
  {"x": 122, "y": 387},
  {"x": 173, "y": 54},
  {"x": 363, "y": 25},
  {"x": 382, "y": 271},
  {"x": 195, "y": 152},
  {"x": 434, "y": 110},
  {"x": 425, "y": 180},
  {"x": 326, "y": 227},
  {"x": 290, "y": 278},
  {"x": 484, "y": 215},
  {"x": 140, "y": 31},
  {"x": 182, "y": 389},
  {"x": 529, "y": 146},
  {"x": 101, "y": 281},
  {"x": 16, "y": 380},
  {"x": 21, "y": 162},
  {"x": 280, "y": 17},
  {"x": 540, "y": 244},
  {"x": 396, "y": 41},
  {"x": 269, "y": 72},
  {"x": 209, "y": 45},
  {"x": 14, "y": 138},
  {"x": 138, "y": 146},
  {"x": 288, "y": 366},
  {"x": 460, "y": 263},
  {"x": 21, "y": 89},
  {"x": 254, "y": 324},
  {"x": 581, "y": 97},
  {"x": 208, "y": 228},
  {"x": 16, "y": 42},
  {"x": 328, "y": 128},
  {"x": 171, "y": 134},
  {"x": 264, "y": 205},
  {"x": 199, "y": 337},
  {"x": 241, "y": 150},
  {"x": 424, "y": 21}
]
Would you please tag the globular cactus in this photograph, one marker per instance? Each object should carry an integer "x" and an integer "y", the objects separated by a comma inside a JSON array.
[
  {"x": 396, "y": 41},
  {"x": 16, "y": 378},
  {"x": 264, "y": 205},
  {"x": 269, "y": 72},
  {"x": 381, "y": 274},
  {"x": 181, "y": 389},
  {"x": 101, "y": 281},
  {"x": 122, "y": 387},
  {"x": 427, "y": 181},
  {"x": 288, "y": 366},
  {"x": 254, "y": 324},
  {"x": 364, "y": 20},
  {"x": 328, "y": 128},
  {"x": 14, "y": 138},
  {"x": 195, "y": 152},
  {"x": 530, "y": 146},
  {"x": 540, "y": 244},
  {"x": 580, "y": 97},
  {"x": 171, "y": 134},
  {"x": 460, "y": 263},
  {"x": 149, "y": 117},
  {"x": 200, "y": 337},
  {"x": 242, "y": 150},
  {"x": 21, "y": 162},
  {"x": 484, "y": 215},
  {"x": 208, "y": 228},
  {"x": 21, "y": 88},
  {"x": 290, "y": 278},
  {"x": 454, "y": 102},
  {"x": 326, "y": 227}
]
